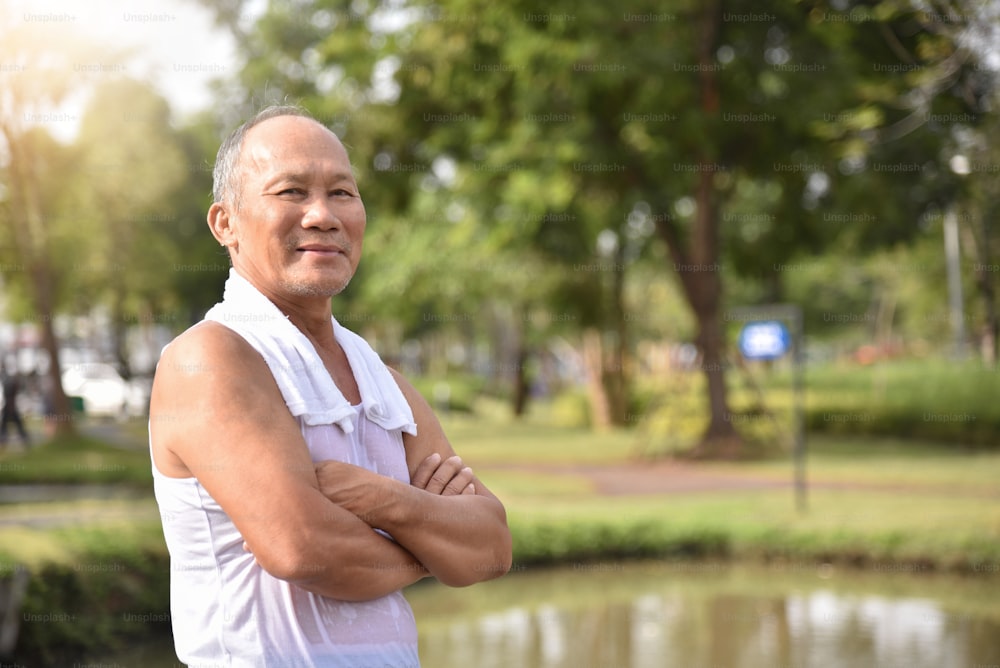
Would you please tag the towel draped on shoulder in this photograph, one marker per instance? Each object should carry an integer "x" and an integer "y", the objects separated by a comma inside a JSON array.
[{"x": 305, "y": 384}]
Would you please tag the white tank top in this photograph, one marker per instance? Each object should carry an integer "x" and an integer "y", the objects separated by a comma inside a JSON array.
[{"x": 227, "y": 611}]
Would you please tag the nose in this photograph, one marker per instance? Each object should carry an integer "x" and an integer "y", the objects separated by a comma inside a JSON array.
[{"x": 321, "y": 214}]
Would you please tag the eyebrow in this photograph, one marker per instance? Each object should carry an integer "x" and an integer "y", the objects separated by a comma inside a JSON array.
[{"x": 299, "y": 177}]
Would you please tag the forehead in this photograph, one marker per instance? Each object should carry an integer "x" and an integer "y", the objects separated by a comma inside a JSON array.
[{"x": 292, "y": 143}]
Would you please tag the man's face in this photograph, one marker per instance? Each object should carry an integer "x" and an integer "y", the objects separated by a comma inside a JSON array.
[{"x": 300, "y": 222}]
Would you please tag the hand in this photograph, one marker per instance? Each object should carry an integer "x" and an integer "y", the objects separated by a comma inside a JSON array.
[
  {"x": 446, "y": 478},
  {"x": 353, "y": 488}
]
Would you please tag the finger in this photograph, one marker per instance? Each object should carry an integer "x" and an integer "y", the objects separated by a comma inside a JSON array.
[
  {"x": 425, "y": 470},
  {"x": 448, "y": 469},
  {"x": 469, "y": 489},
  {"x": 458, "y": 483}
]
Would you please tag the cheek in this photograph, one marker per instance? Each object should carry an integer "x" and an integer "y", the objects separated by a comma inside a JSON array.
[
  {"x": 358, "y": 224},
  {"x": 356, "y": 246}
]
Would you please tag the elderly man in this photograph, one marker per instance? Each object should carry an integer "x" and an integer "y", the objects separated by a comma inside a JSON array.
[{"x": 301, "y": 482}]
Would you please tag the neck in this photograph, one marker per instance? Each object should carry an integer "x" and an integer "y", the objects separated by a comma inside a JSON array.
[{"x": 311, "y": 314}]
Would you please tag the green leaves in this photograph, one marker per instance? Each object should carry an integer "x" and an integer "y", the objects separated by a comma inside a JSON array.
[{"x": 754, "y": 136}]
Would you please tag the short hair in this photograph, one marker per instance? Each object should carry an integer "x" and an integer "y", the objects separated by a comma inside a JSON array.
[{"x": 226, "y": 176}]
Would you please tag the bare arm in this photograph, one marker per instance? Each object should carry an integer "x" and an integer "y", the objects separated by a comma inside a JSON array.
[
  {"x": 459, "y": 533},
  {"x": 217, "y": 414}
]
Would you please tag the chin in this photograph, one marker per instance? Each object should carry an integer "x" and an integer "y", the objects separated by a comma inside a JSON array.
[{"x": 317, "y": 288}]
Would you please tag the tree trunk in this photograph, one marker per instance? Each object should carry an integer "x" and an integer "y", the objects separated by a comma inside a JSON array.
[
  {"x": 720, "y": 438},
  {"x": 978, "y": 241},
  {"x": 597, "y": 396},
  {"x": 62, "y": 411},
  {"x": 29, "y": 236},
  {"x": 614, "y": 372},
  {"x": 119, "y": 334},
  {"x": 522, "y": 384},
  {"x": 516, "y": 360},
  {"x": 697, "y": 262}
]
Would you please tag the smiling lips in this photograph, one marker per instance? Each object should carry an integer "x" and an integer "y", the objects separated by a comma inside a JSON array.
[{"x": 322, "y": 249}]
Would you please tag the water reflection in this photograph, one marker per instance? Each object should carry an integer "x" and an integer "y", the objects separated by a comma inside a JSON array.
[
  {"x": 700, "y": 622},
  {"x": 687, "y": 615}
]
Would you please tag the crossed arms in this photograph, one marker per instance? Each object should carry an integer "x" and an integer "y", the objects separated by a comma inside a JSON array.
[{"x": 216, "y": 414}]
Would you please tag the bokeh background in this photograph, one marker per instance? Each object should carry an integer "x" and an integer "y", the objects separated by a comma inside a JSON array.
[{"x": 574, "y": 212}]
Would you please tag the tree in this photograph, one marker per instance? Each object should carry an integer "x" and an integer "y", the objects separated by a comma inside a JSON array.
[
  {"x": 39, "y": 75},
  {"x": 852, "y": 97},
  {"x": 131, "y": 166},
  {"x": 200, "y": 267},
  {"x": 700, "y": 114}
]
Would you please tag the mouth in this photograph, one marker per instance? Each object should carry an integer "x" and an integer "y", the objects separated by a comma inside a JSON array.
[{"x": 321, "y": 249}]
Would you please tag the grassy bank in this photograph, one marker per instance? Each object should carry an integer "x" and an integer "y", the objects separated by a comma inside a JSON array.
[
  {"x": 876, "y": 505},
  {"x": 77, "y": 460},
  {"x": 867, "y": 530},
  {"x": 98, "y": 588},
  {"x": 92, "y": 588}
]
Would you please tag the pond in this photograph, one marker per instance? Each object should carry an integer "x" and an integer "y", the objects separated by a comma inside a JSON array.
[{"x": 701, "y": 615}]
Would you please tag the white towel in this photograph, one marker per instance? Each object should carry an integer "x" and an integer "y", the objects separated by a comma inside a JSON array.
[{"x": 305, "y": 384}]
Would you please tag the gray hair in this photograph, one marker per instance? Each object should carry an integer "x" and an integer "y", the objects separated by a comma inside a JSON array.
[{"x": 226, "y": 176}]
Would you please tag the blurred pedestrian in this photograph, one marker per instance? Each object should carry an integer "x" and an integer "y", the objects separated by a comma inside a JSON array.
[{"x": 11, "y": 415}]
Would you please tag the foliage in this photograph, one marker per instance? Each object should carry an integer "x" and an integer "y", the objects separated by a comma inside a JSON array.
[
  {"x": 929, "y": 399},
  {"x": 54, "y": 163},
  {"x": 142, "y": 191},
  {"x": 76, "y": 459},
  {"x": 918, "y": 399},
  {"x": 456, "y": 393},
  {"x": 107, "y": 588},
  {"x": 518, "y": 161},
  {"x": 200, "y": 267},
  {"x": 35, "y": 205},
  {"x": 95, "y": 224}
]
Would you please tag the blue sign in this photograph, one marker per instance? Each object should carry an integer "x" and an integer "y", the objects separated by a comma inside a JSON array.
[{"x": 766, "y": 340}]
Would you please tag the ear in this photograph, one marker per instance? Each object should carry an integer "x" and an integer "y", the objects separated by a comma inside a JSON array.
[{"x": 220, "y": 223}]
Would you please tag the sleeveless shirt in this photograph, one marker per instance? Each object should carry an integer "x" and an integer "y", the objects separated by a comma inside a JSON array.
[{"x": 227, "y": 611}]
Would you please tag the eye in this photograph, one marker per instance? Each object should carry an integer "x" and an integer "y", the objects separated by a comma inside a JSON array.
[
  {"x": 290, "y": 191},
  {"x": 340, "y": 192}
]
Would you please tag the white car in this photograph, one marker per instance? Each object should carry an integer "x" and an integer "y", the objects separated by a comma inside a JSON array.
[{"x": 104, "y": 392}]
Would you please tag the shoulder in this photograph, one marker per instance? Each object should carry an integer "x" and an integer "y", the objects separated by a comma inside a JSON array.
[
  {"x": 206, "y": 333},
  {"x": 204, "y": 363},
  {"x": 203, "y": 348},
  {"x": 211, "y": 390}
]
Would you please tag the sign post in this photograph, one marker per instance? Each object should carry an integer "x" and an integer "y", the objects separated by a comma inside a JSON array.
[{"x": 764, "y": 336}]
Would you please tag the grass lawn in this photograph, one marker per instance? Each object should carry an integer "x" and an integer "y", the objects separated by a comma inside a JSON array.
[
  {"x": 78, "y": 460},
  {"x": 906, "y": 502},
  {"x": 484, "y": 443},
  {"x": 831, "y": 459},
  {"x": 876, "y": 501}
]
